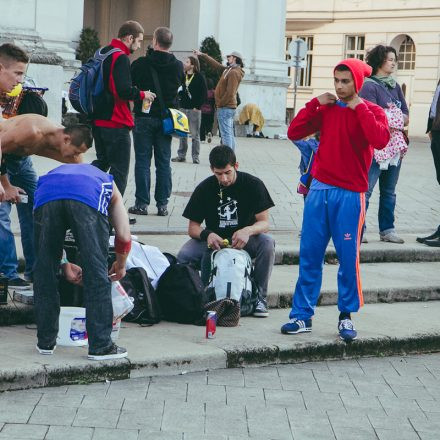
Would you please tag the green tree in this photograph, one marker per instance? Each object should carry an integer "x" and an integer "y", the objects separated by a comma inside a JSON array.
[
  {"x": 88, "y": 44},
  {"x": 211, "y": 48}
]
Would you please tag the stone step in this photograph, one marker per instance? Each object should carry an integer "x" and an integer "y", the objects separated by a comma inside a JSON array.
[
  {"x": 175, "y": 349},
  {"x": 382, "y": 283}
]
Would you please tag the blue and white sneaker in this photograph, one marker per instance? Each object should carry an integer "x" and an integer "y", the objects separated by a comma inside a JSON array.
[
  {"x": 295, "y": 326},
  {"x": 347, "y": 332}
]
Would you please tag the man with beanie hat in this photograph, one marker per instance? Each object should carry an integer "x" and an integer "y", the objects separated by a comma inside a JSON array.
[{"x": 335, "y": 206}]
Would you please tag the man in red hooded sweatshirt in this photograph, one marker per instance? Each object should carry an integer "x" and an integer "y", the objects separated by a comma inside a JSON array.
[
  {"x": 335, "y": 206},
  {"x": 113, "y": 121}
]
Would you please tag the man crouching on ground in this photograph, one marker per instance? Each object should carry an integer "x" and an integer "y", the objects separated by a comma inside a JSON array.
[
  {"x": 235, "y": 206},
  {"x": 335, "y": 205},
  {"x": 79, "y": 197}
]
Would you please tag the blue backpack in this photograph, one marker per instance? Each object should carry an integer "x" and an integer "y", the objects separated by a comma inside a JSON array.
[{"x": 88, "y": 85}]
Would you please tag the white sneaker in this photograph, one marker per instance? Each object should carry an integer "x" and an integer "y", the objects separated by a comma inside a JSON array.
[{"x": 391, "y": 237}]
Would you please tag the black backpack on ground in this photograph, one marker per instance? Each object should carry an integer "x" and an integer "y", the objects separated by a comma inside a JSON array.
[
  {"x": 146, "y": 310},
  {"x": 181, "y": 295}
]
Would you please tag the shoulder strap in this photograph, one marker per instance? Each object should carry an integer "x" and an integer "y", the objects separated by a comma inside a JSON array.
[{"x": 158, "y": 89}]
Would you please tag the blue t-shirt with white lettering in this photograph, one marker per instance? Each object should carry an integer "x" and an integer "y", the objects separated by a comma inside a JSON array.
[{"x": 81, "y": 182}]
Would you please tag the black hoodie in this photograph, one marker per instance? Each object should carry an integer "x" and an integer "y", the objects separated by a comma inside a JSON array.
[{"x": 170, "y": 74}]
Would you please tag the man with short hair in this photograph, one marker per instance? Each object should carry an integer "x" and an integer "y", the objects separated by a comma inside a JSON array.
[
  {"x": 235, "y": 206},
  {"x": 148, "y": 133},
  {"x": 335, "y": 205},
  {"x": 20, "y": 172},
  {"x": 113, "y": 120},
  {"x": 79, "y": 197},
  {"x": 226, "y": 92}
]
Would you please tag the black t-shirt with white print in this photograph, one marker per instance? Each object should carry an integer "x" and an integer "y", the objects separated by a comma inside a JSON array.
[{"x": 228, "y": 209}]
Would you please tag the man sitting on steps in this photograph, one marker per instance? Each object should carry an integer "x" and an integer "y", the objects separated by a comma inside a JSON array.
[{"x": 234, "y": 206}]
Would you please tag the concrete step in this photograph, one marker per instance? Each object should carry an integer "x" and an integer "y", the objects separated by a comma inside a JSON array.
[
  {"x": 382, "y": 283},
  {"x": 168, "y": 348}
]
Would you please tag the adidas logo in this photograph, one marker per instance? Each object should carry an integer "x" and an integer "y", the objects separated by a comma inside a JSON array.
[{"x": 347, "y": 236}]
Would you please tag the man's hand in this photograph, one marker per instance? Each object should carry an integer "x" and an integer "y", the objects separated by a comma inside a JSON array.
[
  {"x": 72, "y": 273},
  {"x": 215, "y": 241},
  {"x": 197, "y": 52},
  {"x": 327, "y": 98},
  {"x": 150, "y": 96},
  {"x": 117, "y": 271},
  {"x": 354, "y": 102},
  {"x": 240, "y": 239},
  {"x": 12, "y": 193}
]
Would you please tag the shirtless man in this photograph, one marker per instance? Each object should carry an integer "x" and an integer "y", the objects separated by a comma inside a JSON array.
[{"x": 29, "y": 134}]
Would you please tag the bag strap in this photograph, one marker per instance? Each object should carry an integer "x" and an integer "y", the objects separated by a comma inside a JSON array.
[{"x": 158, "y": 90}]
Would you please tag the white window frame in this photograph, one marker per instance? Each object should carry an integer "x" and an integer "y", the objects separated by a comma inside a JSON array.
[{"x": 357, "y": 52}]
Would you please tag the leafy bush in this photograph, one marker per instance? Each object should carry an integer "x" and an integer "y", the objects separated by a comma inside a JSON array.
[
  {"x": 88, "y": 44},
  {"x": 211, "y": 48}
]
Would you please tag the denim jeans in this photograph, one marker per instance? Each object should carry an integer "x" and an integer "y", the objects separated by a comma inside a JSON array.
[
  {"x": 113, "y": 147},
  {"x": 148, "y": 138},
  {"x": 21, "y": 173},
  {"x": 387, "y": 194},
  {"x": 435, "y": 148},
  {"x": 194, "y": 121},
  {"x": 91, "y": 231},
  {"x": 261, "y": 247},
  {"x": 225, "y": 117}
]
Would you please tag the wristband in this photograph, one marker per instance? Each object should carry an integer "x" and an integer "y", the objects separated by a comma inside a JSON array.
[
  {"x": 122, "y": 247},
  {"x": 204, "y": 234}
]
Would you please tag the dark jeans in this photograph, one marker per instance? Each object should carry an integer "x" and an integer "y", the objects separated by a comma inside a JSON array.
[
  {"x": 91, "y": 231},
  {"x": 113, "y": 147},
  {"x": 21, "y": 173},
  {"x": 261, "y": 247},
  {"x": 206, "y": 125},
  {"x": 387, "y": 194},
  {"x": 435, "y": 148},
  {"x": 148, "y": 138}
]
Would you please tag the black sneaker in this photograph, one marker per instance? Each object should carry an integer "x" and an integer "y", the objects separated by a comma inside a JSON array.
[
  {"x": 162, "y": 211},
  {"x": 178, "y": 159},
  {"x": 433, "y": 236},
  {"x": 46, "y": 350},
  {"x": 137, "y": 210},
  {"x": 196, "y": 160},
  {"x": 19, "y": 284},
  {"x": 114, "y": 352}
]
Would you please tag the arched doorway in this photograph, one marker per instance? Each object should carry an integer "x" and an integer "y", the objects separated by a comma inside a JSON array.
[{"x": 406, "y": 56}]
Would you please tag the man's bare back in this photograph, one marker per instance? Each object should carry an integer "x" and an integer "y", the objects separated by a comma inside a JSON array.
[{"x": 29, "y": 134}]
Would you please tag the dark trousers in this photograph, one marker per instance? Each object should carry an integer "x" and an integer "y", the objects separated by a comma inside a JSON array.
[
  {"x": 206, "y": 125},
  {"x": 435, "y": 148},
  {"x": 113, "y": 147},
  {"x": 91, "y": 231}
]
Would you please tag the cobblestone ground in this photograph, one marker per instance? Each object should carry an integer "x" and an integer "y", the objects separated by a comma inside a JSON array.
[{"x": 376, "y": 398}]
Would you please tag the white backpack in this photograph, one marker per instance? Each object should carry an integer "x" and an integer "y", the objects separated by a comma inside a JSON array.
[{"x": 231, "y": 278}]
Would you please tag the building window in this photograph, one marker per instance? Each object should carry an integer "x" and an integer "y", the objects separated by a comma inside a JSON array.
[
  {"x": 407, "y": 54},
  {"x": 288, "y": 41},
  {"x": 355, "y": 46},
  {"x": 305, "y": 77}
]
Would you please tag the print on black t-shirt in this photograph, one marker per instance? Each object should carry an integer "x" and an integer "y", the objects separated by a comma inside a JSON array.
[{"x": 228, "y": 213}]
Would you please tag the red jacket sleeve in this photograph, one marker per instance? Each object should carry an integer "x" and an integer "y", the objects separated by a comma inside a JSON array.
[
  {"x": 306, "y": 122},
  {"x": 374, "y": 124}
]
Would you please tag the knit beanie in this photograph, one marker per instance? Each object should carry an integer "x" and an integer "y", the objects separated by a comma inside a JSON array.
[{"x": 358, "y": 69}]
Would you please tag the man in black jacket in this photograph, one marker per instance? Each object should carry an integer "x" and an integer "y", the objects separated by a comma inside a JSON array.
[
  {"x": 433, "y": 131},
  {"x": 113, "y": 120},
  {"x": 148, "y": 134}
]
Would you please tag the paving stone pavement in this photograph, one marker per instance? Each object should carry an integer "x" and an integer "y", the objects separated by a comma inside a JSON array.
[
  {"x": 276, "y": 163},
  {"x": 393, "y": 398}
]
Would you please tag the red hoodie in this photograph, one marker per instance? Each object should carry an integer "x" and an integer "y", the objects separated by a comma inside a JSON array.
[
  {"x": 347, "y": 140},
  {"x": 348, "y": 137}
]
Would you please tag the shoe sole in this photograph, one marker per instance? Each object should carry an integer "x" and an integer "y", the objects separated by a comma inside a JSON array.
[
  {"x": 300, "y": 330},
  {"x": 44, "y": 351},
  {"x": 137, "y": 213},
  {"x": 347, "y": 339},
  {"x": 261, "y": 314},
  {"x": 106, "y": 357}
]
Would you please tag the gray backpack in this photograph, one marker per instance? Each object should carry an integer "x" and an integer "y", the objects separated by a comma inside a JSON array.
[{"x": 231, "y": 271}]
